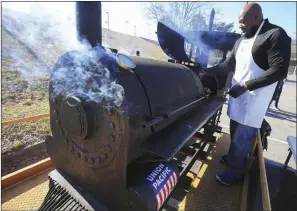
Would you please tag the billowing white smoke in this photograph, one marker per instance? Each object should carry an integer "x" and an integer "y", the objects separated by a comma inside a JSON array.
[
  {"x": 42, "y": 33},
  {"x": 47, "y": 31},
  {"x": 82, "y": 75}
]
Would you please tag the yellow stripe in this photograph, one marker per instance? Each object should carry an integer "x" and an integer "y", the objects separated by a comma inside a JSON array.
[{"x": 202, "y": 171}]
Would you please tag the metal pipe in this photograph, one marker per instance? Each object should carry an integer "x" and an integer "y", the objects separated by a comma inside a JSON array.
[
  {"x": 263, "y": 178},
  {"x": 88, "y": 22},
  {"x": 169, "y": 114},
  {"x": 191, "y": 51},
  {"x": 182, "y": 108}
]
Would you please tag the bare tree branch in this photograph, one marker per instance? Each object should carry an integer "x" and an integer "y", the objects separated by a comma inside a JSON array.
[
  {"x": 185, "y": 16},
  {"x": 177, "y": 15}
]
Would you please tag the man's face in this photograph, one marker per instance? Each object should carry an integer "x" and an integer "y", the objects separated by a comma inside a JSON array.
[{"x": 247, "y": 22}]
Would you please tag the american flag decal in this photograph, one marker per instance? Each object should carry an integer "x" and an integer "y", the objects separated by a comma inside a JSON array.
[
  {"x": 162, "y": 180},
  {"x": 166, "y": 190}
]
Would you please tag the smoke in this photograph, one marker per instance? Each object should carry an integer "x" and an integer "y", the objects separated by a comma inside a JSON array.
[
  {"x": 81, "y": 74},
  {"x": 39, "y": 35},
  {"x": 46, "y": 32}
]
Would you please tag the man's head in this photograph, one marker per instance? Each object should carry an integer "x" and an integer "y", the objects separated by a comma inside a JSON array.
[{"x": 250, "y": 18}]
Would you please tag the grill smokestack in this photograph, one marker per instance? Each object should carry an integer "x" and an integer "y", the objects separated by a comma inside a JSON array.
[{"x": 88, "y": 20}]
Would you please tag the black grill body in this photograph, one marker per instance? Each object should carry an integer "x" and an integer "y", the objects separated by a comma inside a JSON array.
[
  {"x": 112, "y": 127},
  {"x": 94, "y": 143}
]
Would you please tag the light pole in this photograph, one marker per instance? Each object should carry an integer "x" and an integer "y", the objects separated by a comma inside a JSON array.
[{"x": 107, "y": 13}]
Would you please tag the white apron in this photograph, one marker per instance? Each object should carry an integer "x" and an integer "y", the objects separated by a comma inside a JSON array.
[{"x": 249, "y": 108}]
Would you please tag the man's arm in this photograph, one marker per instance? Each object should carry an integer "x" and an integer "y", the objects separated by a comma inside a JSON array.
[{"x": 279, "y": 53}]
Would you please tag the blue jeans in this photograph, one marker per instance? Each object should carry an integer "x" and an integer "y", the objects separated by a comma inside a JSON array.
[{"x": 242, "y": 139}]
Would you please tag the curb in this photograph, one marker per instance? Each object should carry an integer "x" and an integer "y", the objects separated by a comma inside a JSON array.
[
  {"x": 25, "y": 173},
  {"x": 28, "y": 151}
]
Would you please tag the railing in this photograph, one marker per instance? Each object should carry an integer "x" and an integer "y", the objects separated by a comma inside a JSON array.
[
  {"x": 27, "y": 119},
  {"x": 263, "y": 178},
  {"x": 266, "y": 205},
  {"x": 22, "y": 174}
]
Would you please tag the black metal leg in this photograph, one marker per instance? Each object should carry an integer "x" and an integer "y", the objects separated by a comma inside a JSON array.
[{"x": 288, "y": 158}]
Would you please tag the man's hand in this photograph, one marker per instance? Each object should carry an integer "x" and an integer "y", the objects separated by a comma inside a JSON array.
[{"x": 237, "y": 90}]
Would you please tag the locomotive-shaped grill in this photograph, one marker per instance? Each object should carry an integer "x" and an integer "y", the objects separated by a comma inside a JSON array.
[{"x": 119, "y": 151}]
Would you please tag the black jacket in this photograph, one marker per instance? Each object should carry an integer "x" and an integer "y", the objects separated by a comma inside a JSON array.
[{"x": 271, "y": 52}]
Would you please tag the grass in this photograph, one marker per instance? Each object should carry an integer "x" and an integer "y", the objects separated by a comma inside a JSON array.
[
  {"x": 127, "y": 43},
  {"x": 18, "y": 136},
  {"x": 17, "y": 145},
  {"x": 24, "y": 109}
]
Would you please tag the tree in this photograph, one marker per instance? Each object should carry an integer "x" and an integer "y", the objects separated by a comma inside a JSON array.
[
  {"x": 176, "y": 15},
  {"x": 198, "y": 22},
  {"x": 185, "y": 16}
]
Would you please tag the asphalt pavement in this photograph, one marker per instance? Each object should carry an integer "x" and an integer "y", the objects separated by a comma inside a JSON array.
[{"x": 282, "y": 122}]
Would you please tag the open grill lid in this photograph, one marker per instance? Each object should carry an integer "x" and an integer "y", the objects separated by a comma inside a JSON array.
[{"x": 173, "y": 43}]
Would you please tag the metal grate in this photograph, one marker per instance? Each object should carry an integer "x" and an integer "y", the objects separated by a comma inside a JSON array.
[{"x": 58, "y": 198}]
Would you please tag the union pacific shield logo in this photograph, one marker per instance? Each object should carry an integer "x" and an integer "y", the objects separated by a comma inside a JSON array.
[{"x": 162, "y": 180}]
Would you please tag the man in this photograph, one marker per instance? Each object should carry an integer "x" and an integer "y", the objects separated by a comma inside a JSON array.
[{"x": 260, "y": 58}]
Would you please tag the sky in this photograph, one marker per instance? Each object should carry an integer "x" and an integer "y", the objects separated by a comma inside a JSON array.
[{"x": 129, "y": 17}]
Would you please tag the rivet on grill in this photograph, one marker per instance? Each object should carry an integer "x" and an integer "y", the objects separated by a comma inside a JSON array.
[
  {"x": 112, "y": 125},
  {"x": 56, "y": 112},
  {"x": 62, "y": 131},
  {"x": 58, "y": 123},
  {"x": 92, "y": 161},
  {"x": 107, "y": 148},
  {"x": 102, "y": 157},
  {"x": 111, "y": 138}
]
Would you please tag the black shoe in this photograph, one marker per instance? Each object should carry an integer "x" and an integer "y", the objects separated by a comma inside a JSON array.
[{"x": 228, "y": 178}]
